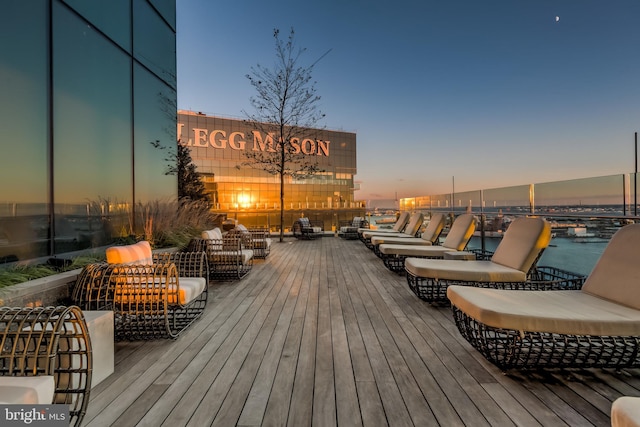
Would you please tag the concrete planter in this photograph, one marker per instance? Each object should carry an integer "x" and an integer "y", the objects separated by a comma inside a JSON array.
[{"x": 51, "y": 290}]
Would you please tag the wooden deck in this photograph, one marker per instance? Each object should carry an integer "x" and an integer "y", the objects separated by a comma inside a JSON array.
[{"x": 322, "y": 334}]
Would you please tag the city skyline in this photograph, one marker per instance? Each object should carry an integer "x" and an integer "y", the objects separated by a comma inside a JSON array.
[{"x": 493, "y": 93}]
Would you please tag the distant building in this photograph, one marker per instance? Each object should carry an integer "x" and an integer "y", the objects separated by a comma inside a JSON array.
[
  {"x": 253, "y": 196},
  {"x": 86, "y": 87}
]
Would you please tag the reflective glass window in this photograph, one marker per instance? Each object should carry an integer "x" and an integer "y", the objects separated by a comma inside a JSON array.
[
  {"x": 154, "y": 42},
  {"x": 24, "y": 223},
  {"x": 91, "y": 134},
  {"x": 112, "y": 17},
  {"x": 154, "y": 137}
]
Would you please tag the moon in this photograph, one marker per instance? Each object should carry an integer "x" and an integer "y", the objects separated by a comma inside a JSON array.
[{"x": 557, "y": 18}]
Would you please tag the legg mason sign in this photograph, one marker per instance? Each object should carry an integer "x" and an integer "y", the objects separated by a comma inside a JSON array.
[{"x": 252, "y": 140}]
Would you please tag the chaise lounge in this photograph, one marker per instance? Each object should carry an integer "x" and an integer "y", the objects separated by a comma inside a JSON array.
[
  {"x": 349, "y": 229},
  {"x": 394, "y": 254},
  {"x": 512, "y": 266},
  {"x": 229, "y": 256},
  {"x": 429, "y": 237},
  {"x": 398, "y": 227},
  {"x": 411, "y": 229},
  {"x": 596, "y": 326},
  {"x": 304, "y": 229}
]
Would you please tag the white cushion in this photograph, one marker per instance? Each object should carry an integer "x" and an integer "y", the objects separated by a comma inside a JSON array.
[
  {"x": 190, "y": 289},
  {"x": 413, "y": 250},
  {"x": 37, "y": 390},
  {"x": 406, "y": 240},
  {"x": 561, "y": 312},
  {"x": 625, "y": 412},
  {"x": 212, "y": 234},
  {"x": 471, "y": 271}
]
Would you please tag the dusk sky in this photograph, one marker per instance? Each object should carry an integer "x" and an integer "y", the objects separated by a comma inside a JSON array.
[{"x": 494, "y": 93}]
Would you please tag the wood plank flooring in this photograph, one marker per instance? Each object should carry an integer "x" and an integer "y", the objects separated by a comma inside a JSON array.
[{"x": 321, "y": 333}]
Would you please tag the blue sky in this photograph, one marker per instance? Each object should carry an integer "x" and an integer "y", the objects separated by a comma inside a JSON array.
[{"x": 494, "y": 93}]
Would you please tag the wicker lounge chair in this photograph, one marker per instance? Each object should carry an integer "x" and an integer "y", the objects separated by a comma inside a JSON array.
[
  {"x": 394, "y": 254},
  {"x": 257, "y": 239},
  {"x": 596, "y": 326},
  {"x": 229, "y": 256},
  {"x": 304, "y": 229},
  {"x": 429, "y": 237},
  {"x": 411, "y": 230},
  {"x": 512, "y": 266},
  {"x": 349, "y": 229},
  {"x": 152, "y": 295},
  {"x": 46, "y": 358},
  {"x": 398, "y": 227}
]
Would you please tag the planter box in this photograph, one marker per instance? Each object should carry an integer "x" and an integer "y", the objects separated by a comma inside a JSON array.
[{"x": 47, "y": 291}]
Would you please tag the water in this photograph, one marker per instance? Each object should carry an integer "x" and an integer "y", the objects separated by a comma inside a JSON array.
[
  {"x": 563, "y": 252},
  {"x": 566, "y": 253}
]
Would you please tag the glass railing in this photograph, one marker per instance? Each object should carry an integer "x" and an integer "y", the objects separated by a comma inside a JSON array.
[{"x": 584, "y": 214}]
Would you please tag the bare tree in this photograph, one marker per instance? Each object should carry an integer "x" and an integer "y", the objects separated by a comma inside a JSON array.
[{"x": 286, "y": 107}]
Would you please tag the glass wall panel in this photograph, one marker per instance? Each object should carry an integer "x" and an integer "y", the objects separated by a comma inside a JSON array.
[
  {"x": 92, "y": 134},
  {"x": 24, "y": 223},
  {"x": 155, "y": 137},
  {"x": 112, "y": 17},
  {"x": 167, "y": 9},
  {"x": 154, "y": 42}
]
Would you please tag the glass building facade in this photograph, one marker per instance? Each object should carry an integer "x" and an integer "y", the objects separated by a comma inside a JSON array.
[
  {"x": 87, "y": 88},
  {"x": 251, "y": 195}
]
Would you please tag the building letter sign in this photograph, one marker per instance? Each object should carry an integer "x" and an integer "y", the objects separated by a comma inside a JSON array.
[{"x": 237, "y": 141}]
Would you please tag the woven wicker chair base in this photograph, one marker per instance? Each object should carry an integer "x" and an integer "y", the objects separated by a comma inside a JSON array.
[
  {"x": 144, "y": 307},
  {"x": 49, "y": 341},
  {"x": 396, "y": 263},
  {"x": 511, "y": 349},
  {"x": 541, "y": 278}
]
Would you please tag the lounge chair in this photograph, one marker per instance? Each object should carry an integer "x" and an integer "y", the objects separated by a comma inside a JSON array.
[
  {"x": 512, "y": 266},
  {"x": 45, "y": 357},
  {"x": 411, "y": 229},
  {"x": 349, "y": 229},
  {"x": 429, "y": 237},
  {"x": 304, "y": 229},
  {"x": 394, "y": 254},
  {"x": 229, "y": 256},
  {"x": 152, "y": 295},
  {"x": 398, "y": 227},
  {"x": 596, "y": 326}
]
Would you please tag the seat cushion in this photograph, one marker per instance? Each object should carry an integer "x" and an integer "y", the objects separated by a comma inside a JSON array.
[
  {"x": 136, "y": 254},
  {"x": 625, "y": 412},
  {"x": 522, "y": 243},
  {"x": 413, "y": 250},
  {"x": 616, "y": 275},
  {"x": 561, "y": 312},
  {"x": 190, "y": 289},
  {"x": 38, "y": 390},
  {"x": 470, "y": 271},
  {"x": 407, "y": 240},
  {"x": 212, "y": 234}
]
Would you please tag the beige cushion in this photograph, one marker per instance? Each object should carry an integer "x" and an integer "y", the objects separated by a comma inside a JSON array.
[
  {"x": 134, "y": 292},
  {"x": 413, "y": 250},
  {"x": 138, "y": 254},
  {"x": 242, "y": 256},
  {"x": 625, "y": 412},
  {"x": 37, "y": 390},
  {"x": 212, "y": 234},
  {"x": 368, "y": 233},
  {"x": 415, "y": 222},
  {"x": 405, "y": 240},
  {"x": 461, "y": 232},
  {"x": 562, "y": 312},
  {"x": 616, "y": 275},
  {"x": 522, "y": 243},
  {"x": 470, "y": 271},
  {"x": 434, "y": 228},
  {"x": 402, "y": 221}
]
